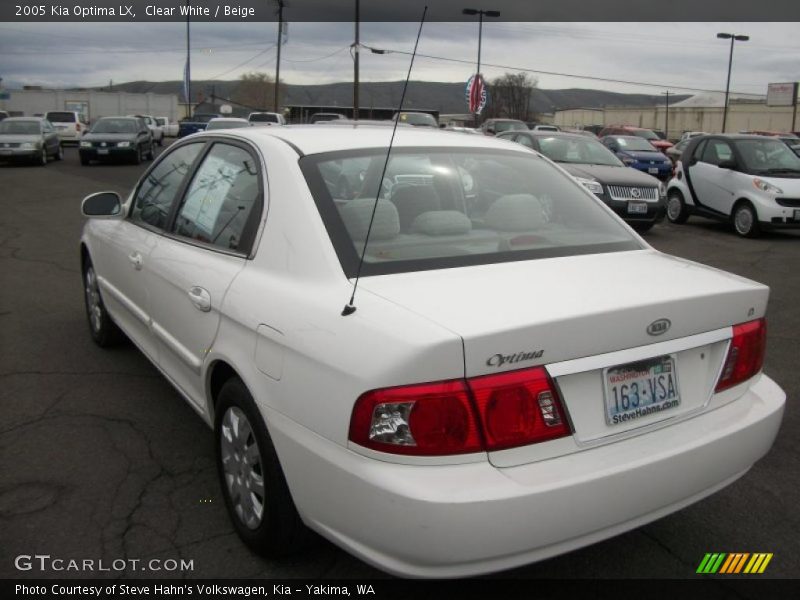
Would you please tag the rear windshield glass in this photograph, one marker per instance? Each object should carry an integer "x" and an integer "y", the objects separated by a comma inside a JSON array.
[
  {"x": 61, "y": 117},
  {"x": 768, "y": 156},
  {"x": 20, "y": 127},
  {"x": 646, "y": 134},
  {"x": 510, "y": 126},
  {"x": 418, "y": 119},
  {"x": 264, "y": 118},
  {"x": 115, "y": 126},
  {"x": 440, "y": 208}
]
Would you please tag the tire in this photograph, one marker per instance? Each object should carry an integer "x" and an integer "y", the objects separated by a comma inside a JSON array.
[
  {"x": 257, "y": 483},
  {"x": 137, "y": 159},
  {"x": 642, "y": 227},
  {"x": 745, "y": 220},
  {"x": 151, "y": 154},
  {"x": 161, "y": 140},
  {"x": 677, "y": 211},
  {"x": 60, "y": 153},
  {"x": 42, "y": 160},
  {"x": 104, "y": 331}
]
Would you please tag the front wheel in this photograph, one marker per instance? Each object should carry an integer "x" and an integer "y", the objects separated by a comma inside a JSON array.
[
  {"x": 42, "y": 160},
  {"x": 253, "y": 484},
  {"x": 677, "y": 211},
  {"x": 137, "y": 158},
  {"x": 60, "y": 153},
  {"x": 745, "y": 220},
  {"x": 104, "y": 331}
]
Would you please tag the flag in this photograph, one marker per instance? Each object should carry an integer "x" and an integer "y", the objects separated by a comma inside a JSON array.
[{"x": 476, "y": 94}]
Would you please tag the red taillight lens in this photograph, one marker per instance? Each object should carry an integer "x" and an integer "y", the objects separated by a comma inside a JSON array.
[
  {"x": 78, "y": 127},
  {"x": 745, "y": 355},
  {"x": 433, "y": 419},
  {"x": 518, "y": 408},
  {"x": 429, "y": 420}
]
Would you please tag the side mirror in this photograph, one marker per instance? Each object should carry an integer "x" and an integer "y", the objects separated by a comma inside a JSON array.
[
  {"x": 102, "y": 204},
  {"x": 728, "y": 164}
]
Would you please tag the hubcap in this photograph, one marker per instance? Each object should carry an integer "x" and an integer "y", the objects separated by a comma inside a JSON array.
[
  {"x": 673, "y": 207},
  {"x": 241, "y": 463},
  {"x": 93, "y": 306},
  {"x": 743, "y": 220}
]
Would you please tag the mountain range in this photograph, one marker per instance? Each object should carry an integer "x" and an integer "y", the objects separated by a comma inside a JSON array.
[{"x": 447, "y": 98}]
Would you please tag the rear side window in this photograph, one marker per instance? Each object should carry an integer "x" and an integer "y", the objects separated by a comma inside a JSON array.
[
  {"x": 61, "y": 117},
  {"x": 224, "y": 193},
  {"x": 154, "y": 198},
  {"x": 717, "y": 151},
  {"x": 264, "y": 118}
]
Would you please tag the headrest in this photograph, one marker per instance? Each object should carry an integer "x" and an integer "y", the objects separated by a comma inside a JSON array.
[
  {"x": 357, "y": 213},
  {"x": 516, "y": 212},
  {"x": 441, "y": 222}
]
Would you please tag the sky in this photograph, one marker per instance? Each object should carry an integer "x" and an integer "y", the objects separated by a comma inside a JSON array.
[{"x": 673, "y": 56}]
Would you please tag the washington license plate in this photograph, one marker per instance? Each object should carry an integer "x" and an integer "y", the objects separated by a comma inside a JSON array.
[
  {"x": 640, "y": 389},
  {"x": 637, "y": 208},
  {"x": 653, "y": 170}
]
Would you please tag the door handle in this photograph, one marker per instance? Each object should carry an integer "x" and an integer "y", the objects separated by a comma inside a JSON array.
[
  {"x": 136, "y": 260},
  {"x": 200, "y": 298}
]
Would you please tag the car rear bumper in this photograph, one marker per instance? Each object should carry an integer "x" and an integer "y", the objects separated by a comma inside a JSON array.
[{"x": 467, "y": 519}]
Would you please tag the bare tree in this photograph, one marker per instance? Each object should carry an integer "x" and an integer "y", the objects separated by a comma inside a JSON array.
[
  {"x": 255, "y": 90},
  {"x": 510, "y": 96}
]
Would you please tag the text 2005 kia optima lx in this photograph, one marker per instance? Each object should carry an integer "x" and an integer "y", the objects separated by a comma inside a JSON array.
[{"x": 523, "y": 375}]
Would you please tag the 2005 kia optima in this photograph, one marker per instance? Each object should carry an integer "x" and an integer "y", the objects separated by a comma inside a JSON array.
[{"x": 522, "y": 375}]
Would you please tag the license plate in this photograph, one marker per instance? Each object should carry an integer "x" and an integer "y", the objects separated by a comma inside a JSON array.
[
  {"x": 4, "y": 151},
  {"x": 61, "y": 126},
  {"x": 640, "y": 389},
  {"x": 652, "y": 170},
  {"x": 102, "y": 150},
  {"x": 637, "y": 208}
]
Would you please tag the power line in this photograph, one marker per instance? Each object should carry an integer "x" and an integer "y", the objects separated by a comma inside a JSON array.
[
  {"x": 558, "y": 74},
  {"x": 241, "y": 64}
]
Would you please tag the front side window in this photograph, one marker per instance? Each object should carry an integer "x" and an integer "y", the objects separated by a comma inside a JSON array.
[
  {"x": 224, "y": 192},
  {"x": 159, "y": 189},
  {"x": 439, "y": 208}
]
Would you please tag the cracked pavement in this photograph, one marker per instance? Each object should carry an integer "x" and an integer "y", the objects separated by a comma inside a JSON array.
[{"x": 100, "y": 458}]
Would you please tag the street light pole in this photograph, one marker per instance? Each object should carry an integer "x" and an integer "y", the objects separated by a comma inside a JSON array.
[
  {"x": 281, "y": 4},
  {"x": 666, "y": 115},
  {"x": 733, "y": 38},
  {"x": 355, "y": 63},
  {"x": 481, "y": 13}
]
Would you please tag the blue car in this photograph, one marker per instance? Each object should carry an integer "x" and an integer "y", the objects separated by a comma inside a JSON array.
[{"x": 637, "y": 152}]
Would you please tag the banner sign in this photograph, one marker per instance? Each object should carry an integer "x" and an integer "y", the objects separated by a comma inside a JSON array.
[{"x": 477, "y": 95}]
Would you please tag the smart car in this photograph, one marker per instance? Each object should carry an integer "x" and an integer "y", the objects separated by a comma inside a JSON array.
[
  {"x": 749, "y": 181},
  {"x": 467, "y": 364}
]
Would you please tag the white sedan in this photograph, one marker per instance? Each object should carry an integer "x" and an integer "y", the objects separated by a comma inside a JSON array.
[{"x": 522, "y": 374}]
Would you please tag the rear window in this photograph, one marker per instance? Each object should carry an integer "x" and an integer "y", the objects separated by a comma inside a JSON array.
[
  {"x": 440, "y": 208},
  {"x": 646, "y": 134},
  {"x": 264, "y": 118},
  {"x": 61, "y": 117}
]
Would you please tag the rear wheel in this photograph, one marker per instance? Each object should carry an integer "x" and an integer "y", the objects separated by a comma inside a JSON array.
[
  {"x": 104, "y": 331},
  {"x": 745, "y": 220},
  {"x": 677, "y": 211},
  {"x": 252, "y": 481}
]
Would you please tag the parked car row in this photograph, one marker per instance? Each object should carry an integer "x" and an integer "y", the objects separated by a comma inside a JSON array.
[{"x": 29, "y": 139}]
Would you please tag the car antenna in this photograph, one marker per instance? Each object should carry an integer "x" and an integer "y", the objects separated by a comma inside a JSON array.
[{"x": 350, "y": 308}]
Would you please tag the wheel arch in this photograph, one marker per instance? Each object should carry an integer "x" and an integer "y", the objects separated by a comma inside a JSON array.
[{"x": 218, "y": 372}]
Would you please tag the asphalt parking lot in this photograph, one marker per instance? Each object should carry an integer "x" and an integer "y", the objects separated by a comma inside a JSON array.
[{"x": 101, "y": 459}]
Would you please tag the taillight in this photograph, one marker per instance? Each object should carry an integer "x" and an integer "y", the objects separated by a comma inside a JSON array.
[
  {"x": 78, "y": 127},
  {"x": 518, "y": 408},
  {"x": 429, "y": 419},
  {"x": 504, "y": 411},
  {"x": 745, "y": 355}
]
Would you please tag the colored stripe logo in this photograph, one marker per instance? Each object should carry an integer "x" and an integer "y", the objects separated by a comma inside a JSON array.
[{"x": 734, "y": 563}]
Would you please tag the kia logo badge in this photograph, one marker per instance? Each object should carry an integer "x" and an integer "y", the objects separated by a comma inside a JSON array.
[{"x": 658, "y": 327}]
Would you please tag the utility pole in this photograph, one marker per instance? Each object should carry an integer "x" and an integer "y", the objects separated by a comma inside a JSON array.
[
  {"x": 281, "y": 4},
  {"x": 666, "y": 116},
  {"x": 794, "y": 107},
  {"x": 355, "y": 63}
]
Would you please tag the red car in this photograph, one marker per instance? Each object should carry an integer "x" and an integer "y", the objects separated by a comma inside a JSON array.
[{"x": 647, "y": 134}]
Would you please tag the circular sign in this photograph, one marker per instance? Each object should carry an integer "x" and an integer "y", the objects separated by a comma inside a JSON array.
[
  {"x": 226, "y": 109},
  {"x": 476, "y": 94}
]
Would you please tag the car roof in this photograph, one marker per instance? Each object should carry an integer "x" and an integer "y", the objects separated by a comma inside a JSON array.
[{"x": 316, "y": 139}]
